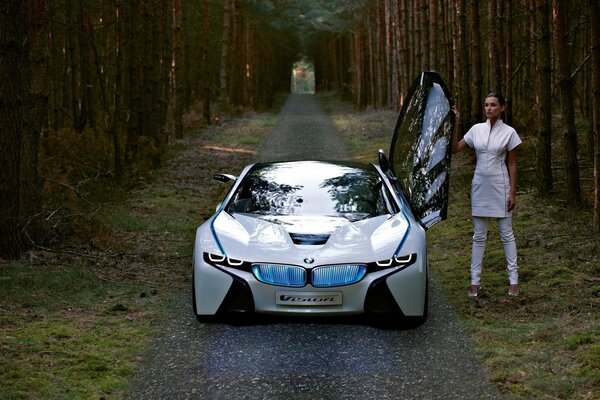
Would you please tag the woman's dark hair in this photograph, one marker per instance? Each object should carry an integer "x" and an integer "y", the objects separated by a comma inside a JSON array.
[{"x": 497, "y": 95}]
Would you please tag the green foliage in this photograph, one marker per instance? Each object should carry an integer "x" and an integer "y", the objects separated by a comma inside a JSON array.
[
  {"x": 39, "y": 287},
  {"x": 59, "y": 336}
]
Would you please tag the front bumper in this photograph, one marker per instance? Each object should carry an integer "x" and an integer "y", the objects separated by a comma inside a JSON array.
[{"x": 394, "y": 290}]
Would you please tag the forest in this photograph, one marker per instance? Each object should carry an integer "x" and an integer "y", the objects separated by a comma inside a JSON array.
[{"x": 98, "y": 89}]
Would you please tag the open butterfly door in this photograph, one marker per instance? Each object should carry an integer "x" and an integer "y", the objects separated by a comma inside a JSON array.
[{"x": 421, "y": 149}]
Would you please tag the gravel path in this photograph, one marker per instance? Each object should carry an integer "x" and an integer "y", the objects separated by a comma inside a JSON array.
[
  {"x": 276, "y": 358},
  {"x": 303, "y": 131}
]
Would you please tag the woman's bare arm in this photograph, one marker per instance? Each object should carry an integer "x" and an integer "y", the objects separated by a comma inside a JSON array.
[{"x": 457, "y": 145}]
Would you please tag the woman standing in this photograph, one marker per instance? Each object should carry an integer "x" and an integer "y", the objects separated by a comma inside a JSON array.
[{"x": 493, "y": 189}]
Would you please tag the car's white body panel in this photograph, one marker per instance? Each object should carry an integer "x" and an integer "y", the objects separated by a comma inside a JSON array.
[{"x": 255, "y": 240}]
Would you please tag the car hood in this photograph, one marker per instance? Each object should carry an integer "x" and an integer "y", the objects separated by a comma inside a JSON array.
[{"x": 295, "y": 239}]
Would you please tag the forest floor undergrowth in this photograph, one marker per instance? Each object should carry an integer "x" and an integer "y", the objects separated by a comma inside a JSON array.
[{"x": 75, "y": 315}]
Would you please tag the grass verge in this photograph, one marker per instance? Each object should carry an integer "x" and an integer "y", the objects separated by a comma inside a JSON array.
[
  {"x": 544, "y": 344},
  {"x": 75, "y": 316}
]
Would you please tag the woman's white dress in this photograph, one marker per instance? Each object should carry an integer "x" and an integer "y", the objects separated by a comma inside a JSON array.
[{"x": 491, "y": 184}]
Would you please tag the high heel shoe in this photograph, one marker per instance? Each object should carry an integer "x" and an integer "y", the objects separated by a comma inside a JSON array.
[{"x": 474, "y": 291}]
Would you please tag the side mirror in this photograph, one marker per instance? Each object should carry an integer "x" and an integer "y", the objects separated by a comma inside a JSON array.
[
  {"x": 384, "y": 163},
  {"x": 225, "y": 177}
]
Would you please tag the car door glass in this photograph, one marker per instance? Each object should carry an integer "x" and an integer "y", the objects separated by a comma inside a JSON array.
[{"x": 420, "y": 153}]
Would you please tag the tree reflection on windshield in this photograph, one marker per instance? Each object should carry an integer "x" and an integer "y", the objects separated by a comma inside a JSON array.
[
  {"x": 355, "y": 193},
  {"x": 310, "y": 188},
  {"x": 259, "y": 196}
]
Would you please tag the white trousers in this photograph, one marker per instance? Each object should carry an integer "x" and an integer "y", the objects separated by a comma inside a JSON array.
[{"x": 507, "y": 237}]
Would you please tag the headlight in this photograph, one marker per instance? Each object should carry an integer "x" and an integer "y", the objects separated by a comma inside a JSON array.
[
  {"x": 222, "y": 261},
  {"x": 394, "y": 262}
]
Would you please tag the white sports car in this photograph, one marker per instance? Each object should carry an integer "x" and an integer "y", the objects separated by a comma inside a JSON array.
[{"x": 327, "y": 238}]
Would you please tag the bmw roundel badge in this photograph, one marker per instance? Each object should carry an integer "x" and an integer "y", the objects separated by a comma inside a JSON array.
[{"x": 309, "y": 260}]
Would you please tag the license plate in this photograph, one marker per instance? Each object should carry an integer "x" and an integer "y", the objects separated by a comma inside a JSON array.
[{"x": 309, "y": 298}]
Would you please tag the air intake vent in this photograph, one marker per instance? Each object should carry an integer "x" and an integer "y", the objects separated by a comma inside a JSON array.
[
  {"x": 309, "y": 239},
  {"x": 337, "y": 275},
  {"x": 281, "y": 275}
]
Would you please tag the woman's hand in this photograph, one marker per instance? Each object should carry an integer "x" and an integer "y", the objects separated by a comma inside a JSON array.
[
  {"x": 455, "y": 111},
  {"x": 511, "y": 202}
]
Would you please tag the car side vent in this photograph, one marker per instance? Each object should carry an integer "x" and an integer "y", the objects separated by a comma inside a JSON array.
[{"x": 309, "y": 239}]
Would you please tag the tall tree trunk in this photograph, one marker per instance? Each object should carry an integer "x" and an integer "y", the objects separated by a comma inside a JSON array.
[
  {"x": 448, "y": 51},
  {"x": 379, "y": 57},
  {"x": 476, "y": 63},
  {"x": 97, "y": 62},
  {"x": 494, "y": 64},
  {"x": 179, "y": 55},
  {"x": 508, "y": 63},
  {"x": 565, "y": 81},
  {"x": 396, "y": 60},
  {"x": 85, "y": 68},
  {"x": 544, "y": 102},
  {"x": 358, "y": 52},
  {"x": 419, "y": 38},
  {"x": 65, "y": 77},
  {"x": 117, "y": 122},
  {"x": 13, "y": 60},
  {"x": 594, "y": 13},
  {"x": 164, "y": 88},
  {"x": 371, "y": 57},
  {"x": 79, "y": 102},
  {"x": 37, "y": 70},
  {"x": 225, "y": 44},
  {"x": 57, "y": 62},
  {"x": 403, "y": 29},
  {"x": 464, "y": 66},
  {"x": 23, "y": 106},
  {"x": 388, "y": 53},
  {"x": 433, "y": 35},
  {"x": 205, "y": 74},
  {"x": 237, "y": 57}
]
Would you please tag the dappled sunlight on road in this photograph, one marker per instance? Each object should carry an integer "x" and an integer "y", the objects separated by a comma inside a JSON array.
[{"x": 229, "y": 149}]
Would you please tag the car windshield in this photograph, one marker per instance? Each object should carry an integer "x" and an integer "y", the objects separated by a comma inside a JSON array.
[{"x": 312, "y": 188}]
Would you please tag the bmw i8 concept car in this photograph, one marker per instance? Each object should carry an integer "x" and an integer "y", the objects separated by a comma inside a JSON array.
[{"x": 332, "y": 237}]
